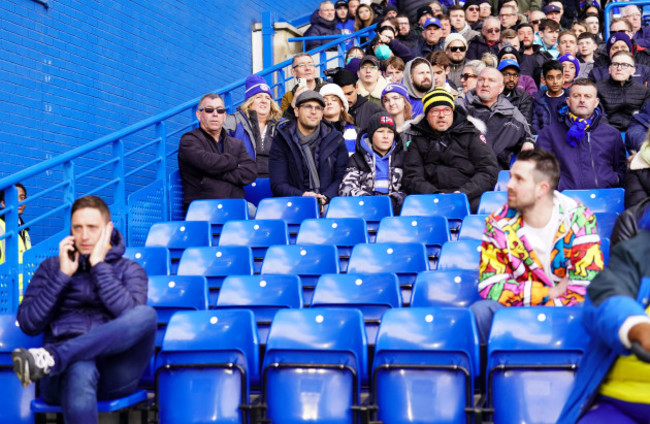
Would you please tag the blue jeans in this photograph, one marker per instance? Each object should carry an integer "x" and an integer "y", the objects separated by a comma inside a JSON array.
[
  {"x": 609, "y": 410},
  {"x": 105, "y": 363},
  {"x": 484, "y": 313}
]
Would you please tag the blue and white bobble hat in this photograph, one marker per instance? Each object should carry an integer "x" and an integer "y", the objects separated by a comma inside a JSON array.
[
  {"x": 396, "y": 88},
  {"x": 256, "y": 84}
]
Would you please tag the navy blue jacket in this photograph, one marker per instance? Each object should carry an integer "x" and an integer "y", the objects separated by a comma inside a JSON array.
[
  {"x": 320, "y": 26},
  {"x": 638, "y": 128},
  {"x": 598, "y": 161},
  {"x": 64, "y": 307},
  {"x": 542, "y": 113},
  {"x": 288, "y": 171}
]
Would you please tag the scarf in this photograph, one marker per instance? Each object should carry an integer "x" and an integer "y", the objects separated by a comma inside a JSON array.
[
  {"x": 308, "y": 144},
  {"x": 577, "y": 130}
]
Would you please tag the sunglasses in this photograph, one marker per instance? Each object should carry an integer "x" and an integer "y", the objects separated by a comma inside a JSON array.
[
  {"x": 536, "y": 22},
  {"x": 457, "y": 49},
  {"x": 493, "y": 31},
  {"x": 472, "y": 9},
  {"x": 467, "y": 76},
  {"x": 210, "y": 110}
]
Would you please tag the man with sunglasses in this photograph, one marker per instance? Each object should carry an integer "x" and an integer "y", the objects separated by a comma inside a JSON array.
[
  {"x": 488, "y": 41},
  {"x": 212, "y": 164},
  {"x": 456, "y": 50}
]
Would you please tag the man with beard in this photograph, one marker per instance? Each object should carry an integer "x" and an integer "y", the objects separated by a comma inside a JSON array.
[
  {"x": 405, "y": 34},
  {"x": 532, "y": 58},
  {"x": 418, "y": 78},
  {"x": 455, "y": 49},
  {"x": 519, "y": 98}
]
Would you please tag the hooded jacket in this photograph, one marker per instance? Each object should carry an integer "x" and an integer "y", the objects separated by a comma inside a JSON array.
[
  {"x": 414, "y": 97},
  {"x": 458, "y": 159},
  {"x": 287, "y": 166},
  {"x": 620, "y": 102},
  {"x": 239, "y": 126},
  {"x": 320, "y": 26},
  {"x": 479, "y": 45},
  {"x": 64, "y": 307},
  {"x": 598, "y": 161}
]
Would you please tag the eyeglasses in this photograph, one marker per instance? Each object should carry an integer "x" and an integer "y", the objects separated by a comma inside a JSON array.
[
  {"x": 457, "y": 49},
  {"x": 510, "y": 74},
  {"x": 210, "y": 110},
  {"x": 467, "y": 76},
  {"x": 403, "y": 23},
  {"x": 369, "y": 67},
  {"x": 312, "y": 108},
  {"x": 503, "y": 15},
  {"x": 536, "y": 22},
  {"x": 621, "y": 65},
  {"x": 472, "y": 9},
  {"x": 446, "y": 111},
  {"x": 493, "y": 30},
  {"x": 304, "y": 65}
]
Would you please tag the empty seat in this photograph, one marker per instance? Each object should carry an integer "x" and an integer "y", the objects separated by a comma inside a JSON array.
[
  {"x": 293, "y": 210},
  {"x": 600, "y": 199},
  {"x": 492, "y": 201},
  {"x": 262, "y": 294},
  {"x": 461, "y": 254},
  {"x": 502, "y": 180},
  {"x": 533, "y": 354},
  {"x": 454, "y": 287},
  {"x": 454, "y": 206},
  {"x": 177, "y": 236},
  {"x": 257, "y": 234},
  {"x": 258, "y": 190},
  {"x": 217, "y": 212},
  {"x": 433, "y": 231},
  {"x": 177, "y": 213},
  {"x": 606, "y": 222},
  {"x": 370, "y": 208},
  {"x": 216, "y": 263},
  {"x": 208, "y": 361},
  {"x": 314, "y": 364},
  {"x": 424, "y": 366},
  {"x": 307, "y": 261},
  {"x": 342, "y": 232},
  {"x": 154, "y": 260},
  {"x": 472, "y": 228},
  {"x": 403, "y": 259}
]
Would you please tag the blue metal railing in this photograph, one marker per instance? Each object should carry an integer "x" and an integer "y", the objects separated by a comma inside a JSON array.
[{"x": 119, "y": 163}]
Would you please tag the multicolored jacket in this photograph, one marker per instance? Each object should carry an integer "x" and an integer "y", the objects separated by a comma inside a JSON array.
[{"x": 510, "y": 271}]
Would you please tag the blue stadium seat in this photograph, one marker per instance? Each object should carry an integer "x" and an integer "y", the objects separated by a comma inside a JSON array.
[
  {"x": 258, "y": 190},
  {"x": 154, "y": 260},
  {"x": 454, "y": 206},
  {"x": 370, "y": 208},
  {"x": 425, "y": 362},
  {"x": 314, "y": 364},
  {"x": 433, "y": 231},
  {"x": 404, "y": 259},
  {"x": 502, "y": 180},
  {"x": 601, "y": 199},
  {"x": 454, "y": 287},
  {"x": 307, "y": 261},
  {"x": 492, "y": 201},
  {"x": 208, "y": 361},
  {"x": 217, "y": 212},
  {"x": 606, "y": 222},
  {"x": 372, "y": 294},
  {"x": 14, "y": 398},
  {"x": 262, "y": 294},
  {"x": 461, "y": 254},
  {"x": 293, "y": 210},
  {"x": 257, "y": 234},
  {"x": 342, "y": 232},
  {"x": 216, "y": 263},
  {"x": 472, "y": 228},
  {"x": 121, "y": 405},
  {"x": 533, "y": 354},
  {"x": 176, "y": 196},
  {"x": 604, "y": 247},
  {"x": 177, "y": 236}
]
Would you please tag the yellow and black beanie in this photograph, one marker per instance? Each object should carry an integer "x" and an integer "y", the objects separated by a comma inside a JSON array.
[{"x": 437, "y": 97}]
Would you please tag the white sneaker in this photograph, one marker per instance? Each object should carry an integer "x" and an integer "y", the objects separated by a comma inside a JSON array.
[{"x": 31, "y": 365}]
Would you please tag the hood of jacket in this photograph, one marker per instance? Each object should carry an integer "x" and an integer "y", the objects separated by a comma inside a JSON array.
[{"x": 407, "y": 76}]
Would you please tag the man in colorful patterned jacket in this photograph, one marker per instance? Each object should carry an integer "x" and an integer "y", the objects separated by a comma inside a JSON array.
[{"x": 541, "y": 248}]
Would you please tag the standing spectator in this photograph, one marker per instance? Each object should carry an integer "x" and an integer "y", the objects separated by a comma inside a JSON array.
[
  {"x": 431, "y": 39},
  {"x": 371, "y": 83},
  {"x": 550, "y": 99},
  {"x": 404, "y": 32},
  {"x": 323, "y": 22},
  {"x": 567, "y": 43},
  {"x": 570, "y": 69},
  {"x": 360, "y": 108},
  {"x": 456, "y": 51},
  {"x": 395, "y": 101},
  {"x": 364, "y": 18},
  {"x": 586, "y": 50},
  {"x": 488, "y": 41},
  {"x": 518, "y": 97},
  {"x": 336, "y": 113},
  {"x": 418, "y": 78},
  {"x": 303, "y": 69},
  {"x": 549, "y": 31},
  {"x": 457, "y": 19},
  {"x": 472, "y": 14},
  {"x": 590, "y": 152}
]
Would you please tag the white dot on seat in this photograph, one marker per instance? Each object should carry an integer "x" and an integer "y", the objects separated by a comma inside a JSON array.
[
  {"x": 219, "y": 254},
  {"x": 457, "y": 279},
  {"x": 541, "y": 317},
  {"x": 253, "y": 184},
  {"x": 592, "y": 195},
  {"x": 478, "y": 249},
  {"x": 263, "y": 283},
  {"x": 319, "y": 318},
  {"x": 389, "y": 250},
  {"x": 138, "y": 255},
  {"x": 16, "y": 324},
  {"x": 214, "y": 320},
  {"x": 303, "y": 252},
  {"x": 428, "y": 318},
  {"x": 289, "y": 204},
  {"x": 219, "y": 206},
  {"x": 172, "y": 284},
  {"x": 414, "y": 223},
  {"x": 334, "y": 225},
  {"x": 358, "y": 281},
  {"x": 256, "y": 227},
  {"x": 183, "y": 228},
  {"x": 436, "y": 200},
  {"x": 361, "y": 203}
]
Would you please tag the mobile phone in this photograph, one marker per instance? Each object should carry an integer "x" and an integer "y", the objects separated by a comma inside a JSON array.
[
  {"x": 301, "y": 81},
  {"x": 71, "y": 253}
]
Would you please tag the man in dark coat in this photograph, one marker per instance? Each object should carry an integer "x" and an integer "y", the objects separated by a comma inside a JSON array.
[
  {"x": 487, "y": 42},
  {"x": 308, "y": 156},
  {"x": 360, "y": 108},
  {"x": 212, "y": 164},
  {"x": 90, "y": 303},
  {"x": 447, "y": 151},
  {"x": 323, "y": 22},
  {"x": 519, "y": 98}
]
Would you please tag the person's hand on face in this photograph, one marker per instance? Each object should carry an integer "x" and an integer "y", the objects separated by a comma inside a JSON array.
[{"x": 103, "y": 245}]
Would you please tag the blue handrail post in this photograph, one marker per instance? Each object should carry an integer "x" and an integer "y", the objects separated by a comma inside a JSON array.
[
  {"x": 161, "y": 169},
  {"x": 323, "y": 63},
  {"x": 119, "y": 193},
  {"x": 11, "y": 243},
  {"x": 267, "y": 44},
  {"x": 69, "y": 193}
]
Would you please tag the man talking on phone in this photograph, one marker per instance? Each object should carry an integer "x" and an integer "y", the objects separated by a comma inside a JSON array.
[{"x": 90, "y": 303}]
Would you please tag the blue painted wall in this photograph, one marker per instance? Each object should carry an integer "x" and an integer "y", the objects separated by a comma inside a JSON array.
[{"x": 82, "y": 69}]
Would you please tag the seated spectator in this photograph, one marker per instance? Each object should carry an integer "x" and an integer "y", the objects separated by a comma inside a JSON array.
[
  {"x": 590, "y": 152},
  {"x": 254, "y": 122},
  {"x": 618, "y": 42},
  {"x": 304, "y": 73},
  {"x": 627, "y": 223},
  {"x": 344, "y": 21},
  {"x": 447, "y": 151},
  {"x": 440, "y": 65},
  {"x": 212, "y": 164},
  {"x": 323, "y": 22},
  {"x": 370, "y": 83},
  {"x": 364, "y": 17},
  {"x": 549, "y": 31},
  {"x": 405, "y": 34},
  {"x": 90, "y": 304},
  {"x": 594, "y": 27},
  {"x": 471, "y": 8},
  {"x": 508, "y": 16},
  {"x": 418, "y": 78},
  {"x": 445, "y": 26},
  {"x": 308, "y": 156},
  {"x": 586, "y": 53},
  {"x": 524, "y": 82},
  {"x": 336, "y": 113},
  {"x": 470, "y": 74},
  {"x": 540, "y": 249},
  {"x": 488, "y": 41},
  {"x": 620, "y": 96},
  {"x": 535, "y": 18},
  {"x": 456, "y": 50},
  {"x": 360, "y": 108},
  {"x": 579, "y": 28},
  {"x": 509, "y": 38},
  {"x": 354, "y": 53},
  {"x": 554, "y": 11},
  {"x": 353, "y": 5},
  {"x": 376, "y": 167},
  {"x": 632, "y": 14},
  {"x": 570, "y": 69},
  {"x": 459, "y": 23},
  {"x": 637, "y": 129},
  {"x": 424, "y": 13},
  {"x": 507, "y": 128},
  {"x": 637, "y": 179},
  {"x": 519, "y": 98},
  {"x": 531, "y": 56},
  {"x": 567, "y": 43},
  {"x": 394, "y": 70},
  {"x": 550, "y": 99},
  {"x": 395, "y": 101},
  {"x": 431, "y": 39}
]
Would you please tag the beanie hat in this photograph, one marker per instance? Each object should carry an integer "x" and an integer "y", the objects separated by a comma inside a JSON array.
[
  {"x": 396, "y": 88},
  {"x": 380, "y": 120},
  {"x": 256, "y": 84},
  {"x": 568, "y": 57},
  {"x": 437, "y": 97},
  {"x": 344, "y": 77},
  {"x": 337, "y": 91},
  {"x": 454, "y": 36},
  {"x": 353, "y": 65},
  {"x": 619, "y": 36},
  {"x": 508, "y": 49}
]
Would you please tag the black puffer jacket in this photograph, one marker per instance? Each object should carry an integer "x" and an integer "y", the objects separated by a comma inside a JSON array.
[
  {"x": 361, "y": 112},
  {"x": 478, "y": 45},
  {"x": 522, "y": 101},
  {"x": 627, "y": 223},
  {"x": 637, "y": 182},
  {"x": 320, "y": 26},
  {"x": 621, "y": 101},
  {"x": 458, "y": 159}
]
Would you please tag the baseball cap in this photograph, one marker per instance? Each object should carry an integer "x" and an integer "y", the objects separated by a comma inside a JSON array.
[{"x": 506, "y": 63}]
